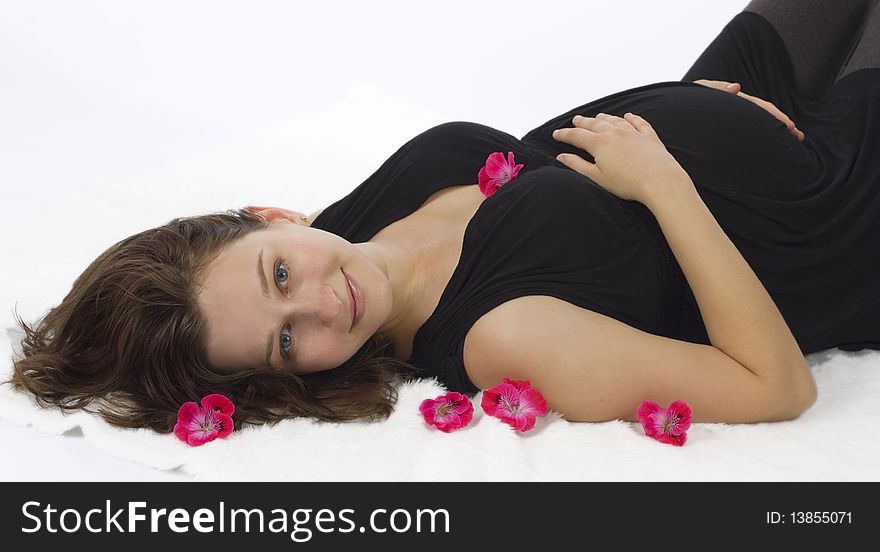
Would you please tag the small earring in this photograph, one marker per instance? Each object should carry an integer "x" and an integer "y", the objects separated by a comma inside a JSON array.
[{"x": 304, "y": 218}]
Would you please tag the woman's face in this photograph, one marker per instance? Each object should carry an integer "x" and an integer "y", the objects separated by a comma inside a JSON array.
[{"x": 281, "y": 291}]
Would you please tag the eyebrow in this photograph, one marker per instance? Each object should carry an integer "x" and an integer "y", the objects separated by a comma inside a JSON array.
[{"x": 270, "y": 337}]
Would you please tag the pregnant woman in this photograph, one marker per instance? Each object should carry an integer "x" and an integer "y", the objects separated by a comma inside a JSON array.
[{"x": 679, "y": 240}]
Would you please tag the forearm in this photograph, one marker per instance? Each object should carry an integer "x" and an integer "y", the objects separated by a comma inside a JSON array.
[{"x": 740, "y": 316}]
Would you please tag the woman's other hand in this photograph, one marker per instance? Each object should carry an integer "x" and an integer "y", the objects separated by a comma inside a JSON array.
[
  {"x": 631, "y": 161},
  {"x": 734, "y": 88},
  {"x": 272, "y": 213}
]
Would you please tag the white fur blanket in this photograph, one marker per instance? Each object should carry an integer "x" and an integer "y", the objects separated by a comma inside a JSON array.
[{"x": 69, "y": 199}]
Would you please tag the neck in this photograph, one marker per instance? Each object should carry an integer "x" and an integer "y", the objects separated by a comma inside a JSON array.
[{"x": 400, "y": 263}]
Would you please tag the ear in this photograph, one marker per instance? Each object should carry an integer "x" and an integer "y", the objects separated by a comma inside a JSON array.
[{"x": 276, "y": 213}]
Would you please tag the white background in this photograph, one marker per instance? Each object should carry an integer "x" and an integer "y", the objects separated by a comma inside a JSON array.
[{"x": 117, "y": 116}]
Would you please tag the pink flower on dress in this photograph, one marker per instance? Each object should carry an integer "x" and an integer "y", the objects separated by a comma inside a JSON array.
[
  {"x": 196, "y": 425},
  {"x": 448, "y": 412},
  {"x": 515, "y": 403},
  {"x": 497, "y": 172},
  {"x": 667, "y": 425}
]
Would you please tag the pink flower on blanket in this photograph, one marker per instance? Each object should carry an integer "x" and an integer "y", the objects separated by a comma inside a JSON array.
[
  {"x": 196, "y": 425},
  {"x": 448, "y": 412},
  {"x": 497, "y": 172},
  {"x": 515, "y": 403},
  {"x": 667, "y": 425}
]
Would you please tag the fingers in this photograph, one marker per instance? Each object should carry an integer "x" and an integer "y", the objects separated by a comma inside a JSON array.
[
  {"x": 584, "y": 133},
  {"x": 258, "y": 211},
  {"x": 771, "y": 108},
  {"x": 630, "y": 120},
  {"x": 640, "y": 124},
  {"x": 732, "y": 87},
  {"x": 605, "y": 118},
  {"x": 736, "y": 88},
  {"x": 600, "y": 122},
  {"x": 776, "y": 112},
  {"x": 579, "y": 164},
  {"x": 595, "y": 124},
  {"x": 582, "y": 138}
]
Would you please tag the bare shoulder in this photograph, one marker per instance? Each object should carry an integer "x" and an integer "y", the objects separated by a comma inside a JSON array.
[{"x": 591, "y": 367}]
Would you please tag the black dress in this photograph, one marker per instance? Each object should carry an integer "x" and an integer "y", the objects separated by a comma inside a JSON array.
[{"x": 804, "y": 215}]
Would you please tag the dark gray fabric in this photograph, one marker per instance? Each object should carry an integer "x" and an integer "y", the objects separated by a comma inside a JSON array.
[
  {"x": 822, "y": 35},
  {"x": 866, "y": 53}
]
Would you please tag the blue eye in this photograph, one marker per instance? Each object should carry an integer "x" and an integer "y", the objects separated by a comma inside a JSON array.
[
  {"x": 286, "y": 340},
  {"x": 281, "y": 273}
]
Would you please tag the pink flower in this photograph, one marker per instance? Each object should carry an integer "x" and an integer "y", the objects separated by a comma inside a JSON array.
[
  {"x": 448, "y": 412},
  {"x": 666, "y": 425},
  {"x": 197, "y": 425},
  {"x": 497, "y": 172},
  {"x": 515, "y": 403}
]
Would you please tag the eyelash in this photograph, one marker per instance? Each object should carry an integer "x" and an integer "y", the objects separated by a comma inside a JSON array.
[{"x": 279, "y": 264}]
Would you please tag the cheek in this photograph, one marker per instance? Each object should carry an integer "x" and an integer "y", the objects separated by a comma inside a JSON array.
[{"x": 324, "y": 352}]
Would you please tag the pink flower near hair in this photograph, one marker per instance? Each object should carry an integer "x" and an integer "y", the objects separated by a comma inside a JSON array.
[
  {"x": 667, "y": 425},
  {"x": 448, "y": 412},
  {"x": 515, "y": 403},
  {"x": 196, "y": 425},
  {"x": 497, "y": 172}
]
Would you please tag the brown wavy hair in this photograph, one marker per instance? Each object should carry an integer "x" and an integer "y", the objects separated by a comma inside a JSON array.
[{"x": 129, "y": 339}]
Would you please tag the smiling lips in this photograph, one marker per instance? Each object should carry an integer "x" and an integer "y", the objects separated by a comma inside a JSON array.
[
  {"x": 353, "y": 304},
  {"x": 353, "y": 292}
]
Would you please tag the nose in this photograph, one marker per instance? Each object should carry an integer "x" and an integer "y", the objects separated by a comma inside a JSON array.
[{"x": 319, "y": 304}]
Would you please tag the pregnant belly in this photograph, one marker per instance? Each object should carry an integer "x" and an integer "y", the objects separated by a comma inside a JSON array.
[{"x": 725, "y": 142}]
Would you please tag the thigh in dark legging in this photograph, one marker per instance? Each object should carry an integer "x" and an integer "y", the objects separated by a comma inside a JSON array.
[
  {"x": 866, "y": 52},
  {"x": 819, "y": 36}
]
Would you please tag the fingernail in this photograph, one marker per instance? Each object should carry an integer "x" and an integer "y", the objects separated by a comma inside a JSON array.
[
  {"x": 578, "y": 117},
  {"x": 731, "y": 85}
]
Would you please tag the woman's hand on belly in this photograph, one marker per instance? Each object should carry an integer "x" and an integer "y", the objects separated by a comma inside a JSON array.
[
  {"x": 631, "y": 161},
  {"x": 735, "y": 88}
]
